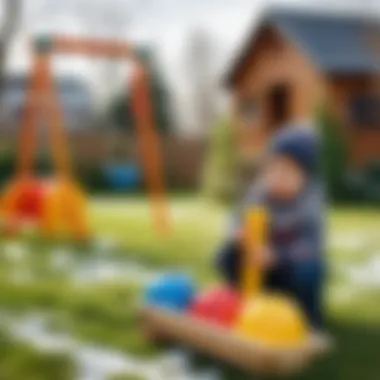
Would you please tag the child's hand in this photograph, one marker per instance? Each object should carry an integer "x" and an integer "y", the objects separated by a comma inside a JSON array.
[
  {"x": 263, "y": 257},
  {"x": 239, "y": 235}
]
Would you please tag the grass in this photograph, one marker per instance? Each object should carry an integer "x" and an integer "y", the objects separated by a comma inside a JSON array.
[
  {"x": 18, "y": 361},
  {"x": 106, "y": 314},
  {"x": 196, "y": 228}
]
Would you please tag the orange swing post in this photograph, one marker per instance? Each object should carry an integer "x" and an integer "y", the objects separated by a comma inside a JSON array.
[
  {"x": 68, "y": 204},
  {"x": 21, "y": 201},
  {"x": 28, "y": 130},
  {"x": 150, "y": 146}
]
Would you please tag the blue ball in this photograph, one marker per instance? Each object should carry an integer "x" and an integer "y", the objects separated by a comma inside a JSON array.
[{"x": 173, "y": 292}]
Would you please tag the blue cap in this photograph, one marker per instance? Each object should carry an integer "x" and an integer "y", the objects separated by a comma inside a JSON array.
[{"x": 301, "y": 144}]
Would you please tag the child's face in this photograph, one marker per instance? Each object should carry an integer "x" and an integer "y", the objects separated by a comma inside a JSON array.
[{"x": 283, "y": 178}]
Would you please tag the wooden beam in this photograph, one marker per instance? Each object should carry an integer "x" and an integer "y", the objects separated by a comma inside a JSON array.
[{"x": 91, "y": 47}]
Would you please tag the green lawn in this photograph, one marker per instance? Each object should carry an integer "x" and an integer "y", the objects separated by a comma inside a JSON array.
[
  {"x": 196, "y": 229},
  {"x": 106, "y": 313}
]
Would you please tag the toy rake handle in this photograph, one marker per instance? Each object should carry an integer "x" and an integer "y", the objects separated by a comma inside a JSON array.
[{"x": 256, "y": 236}]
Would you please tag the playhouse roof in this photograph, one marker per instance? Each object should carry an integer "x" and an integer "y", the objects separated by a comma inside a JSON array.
[{"x": 345, "y": 44}]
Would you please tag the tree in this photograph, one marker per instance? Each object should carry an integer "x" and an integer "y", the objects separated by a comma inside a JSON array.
[
  {"x": 221, "y": 163},
  {"x": 11, "y": 20},
  {"x": 202, "y": 78}
]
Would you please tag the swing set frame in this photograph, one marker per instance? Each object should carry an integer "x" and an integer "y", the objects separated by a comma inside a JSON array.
[{"x": 42, "y": 98}]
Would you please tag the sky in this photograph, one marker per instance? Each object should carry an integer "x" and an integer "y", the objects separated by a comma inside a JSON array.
[{"x": 164, "y": 24}]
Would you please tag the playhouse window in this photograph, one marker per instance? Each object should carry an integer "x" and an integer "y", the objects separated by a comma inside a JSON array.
[{"x": 365, "y": 111}]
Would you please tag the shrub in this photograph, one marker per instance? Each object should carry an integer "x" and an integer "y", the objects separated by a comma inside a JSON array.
[
  {"x": 334, "y": 157},
  {"x": 221, "y": 163}
]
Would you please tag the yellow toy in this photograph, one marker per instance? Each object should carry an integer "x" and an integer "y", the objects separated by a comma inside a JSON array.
[
  {"x": 64, "y": 210},
  {"x": 269, "y": 319}
]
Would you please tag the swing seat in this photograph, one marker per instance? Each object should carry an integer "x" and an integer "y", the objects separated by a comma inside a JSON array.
[
  {"x": 24, "y": 199},
  {"x": 65, "y": 211},
  {"x": 56, "y": 207},
  {"x": 123, "y": 177}
]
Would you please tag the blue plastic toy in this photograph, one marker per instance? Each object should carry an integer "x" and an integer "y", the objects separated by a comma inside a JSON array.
[
  {"x": 171, "y": 292},
  {"x": 123, "y": 176}
]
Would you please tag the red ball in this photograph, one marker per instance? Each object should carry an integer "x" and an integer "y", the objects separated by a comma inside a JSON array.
[{"x": 218, "y": 306}]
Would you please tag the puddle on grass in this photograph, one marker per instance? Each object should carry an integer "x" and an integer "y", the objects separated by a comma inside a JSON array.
[
  {"x": 99, "y": 265},
  {"x": 106, "y": 270},
  {"x": 98, "y": 269},
  {"x": 98, "y": 363},
  {"x": 359, "y": 279},
  {"x": 103, "y": 265},
  {"x": 15, "y": 251},
  {"x": 355, "y": 241},
  {"x": 366, "y": 275},
  {"x": 349, "y": 241}
]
